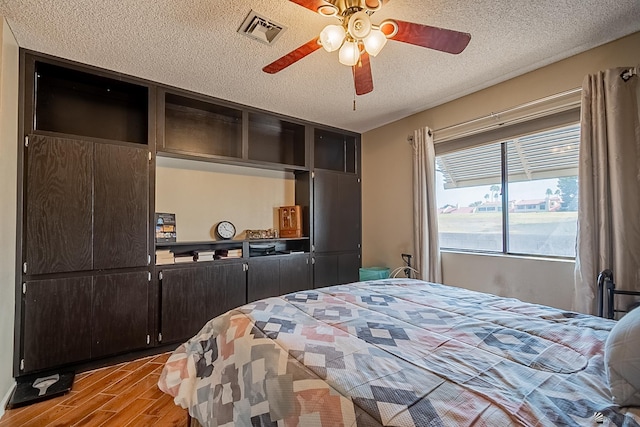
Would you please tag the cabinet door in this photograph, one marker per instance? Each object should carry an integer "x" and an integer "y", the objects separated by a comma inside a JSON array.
[
  {"x": 121, "y": 206},
  {"x": 348, "y": 267},
  {"x": 192, "y": 296},
  {"x": 336, "y": 210},
  {"x": 294, "y": 273},
  {"x": 229, "y": 288},
  {"x": 120, "y": 313},
  {"x": 58, "y": 196},
  {"x": 325, "y": 270},
  {"x": 336, "y": 269},
  {"x": 57, "y": 322},
  {"x": 184, "y": 308},
  {"x": 263, "y": 279}
]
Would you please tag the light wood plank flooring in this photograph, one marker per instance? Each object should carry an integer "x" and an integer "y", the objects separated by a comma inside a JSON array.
[{"x": 122, "y": 395}]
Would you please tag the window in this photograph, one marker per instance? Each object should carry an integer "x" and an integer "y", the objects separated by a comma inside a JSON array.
[{"x": 516, "y": 195}]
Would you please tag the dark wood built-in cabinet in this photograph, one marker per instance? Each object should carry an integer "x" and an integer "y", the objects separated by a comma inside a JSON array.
[
  {"x": 56, "y": 327},
  {"x": 193, "y": 126},
  {"x": 331, "y": 269},
  {"x": 271, "y": 139},
  {"x": 119, "y": 320},
  {"x": 59, "y": 206},
  {"x": 336, "y": 151},
  {"x": 88, "y": 289},
  {"x": 87, "y": 205},
  {"x": 192, "y": 295},
  {"x": 85, "y": 276},
  {"x": 336, "y": 209},
  {"x": 120, "y": 206},
  {"x": 271, "y": 276},
  {"x": 74, "y": 319},
  {"x": 294, "y": 274},
  {"x": 69, "y": 101}
]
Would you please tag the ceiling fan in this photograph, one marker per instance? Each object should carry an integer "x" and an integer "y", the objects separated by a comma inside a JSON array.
[{"x": 357, "y": 37}]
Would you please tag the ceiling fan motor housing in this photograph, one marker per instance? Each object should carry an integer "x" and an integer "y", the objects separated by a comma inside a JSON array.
[{"x": 359, "y": 25}]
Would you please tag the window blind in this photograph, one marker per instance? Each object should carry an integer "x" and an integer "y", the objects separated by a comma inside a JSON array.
[{"x": 542, "y": 142}]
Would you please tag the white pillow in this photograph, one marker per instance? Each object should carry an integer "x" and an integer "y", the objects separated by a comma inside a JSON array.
[{"x": 622, "y": 360}]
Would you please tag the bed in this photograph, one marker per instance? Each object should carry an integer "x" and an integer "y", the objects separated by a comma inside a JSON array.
[{"x": 396, "y": 352}]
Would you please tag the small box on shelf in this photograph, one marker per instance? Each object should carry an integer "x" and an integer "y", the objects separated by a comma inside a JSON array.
[{"x": 290, "y": 221}]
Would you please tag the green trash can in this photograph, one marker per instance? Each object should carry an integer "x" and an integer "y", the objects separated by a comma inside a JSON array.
[{"x": 374, "y": 273}]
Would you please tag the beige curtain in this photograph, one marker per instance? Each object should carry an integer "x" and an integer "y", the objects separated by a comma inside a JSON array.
[
  {"x": 425, "y": 220},
  {"x": 609, "y": 185}
]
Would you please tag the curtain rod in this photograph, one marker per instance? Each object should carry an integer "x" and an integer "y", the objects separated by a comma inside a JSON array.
[
  {"x": 625, "y": 75},
  {"x": 510, "y": 110}
]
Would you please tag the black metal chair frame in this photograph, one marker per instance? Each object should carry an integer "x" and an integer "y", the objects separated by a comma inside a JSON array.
[{"x": 606, "y": 284}]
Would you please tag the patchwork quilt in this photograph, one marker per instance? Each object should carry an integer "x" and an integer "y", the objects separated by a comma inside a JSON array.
[{"x": 397, "y": 352}]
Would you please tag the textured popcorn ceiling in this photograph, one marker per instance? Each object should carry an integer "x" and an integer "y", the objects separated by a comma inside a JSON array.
[{"x": 194, "y": 44}]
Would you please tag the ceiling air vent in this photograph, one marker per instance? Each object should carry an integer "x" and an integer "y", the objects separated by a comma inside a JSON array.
[{"x": 260, "y": 28}]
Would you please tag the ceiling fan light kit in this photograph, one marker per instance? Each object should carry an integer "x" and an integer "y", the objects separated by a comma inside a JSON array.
[
  {"x": 349, "y": 53},
  {"x": 357, "y": 37},
  {"x": 374, "y": 42},
  {"x": 332, "y": 37},
  {"x": 356, "y": 28}
]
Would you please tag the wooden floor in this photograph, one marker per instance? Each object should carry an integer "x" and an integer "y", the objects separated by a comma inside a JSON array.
[{"x": 121, "y": 395}]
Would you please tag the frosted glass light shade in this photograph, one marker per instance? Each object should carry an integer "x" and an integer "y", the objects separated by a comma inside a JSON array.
[
  {"x": 374, "y": 42},
  {"x": 349, "y": 53},
  {"x": 331, "y": 37}
]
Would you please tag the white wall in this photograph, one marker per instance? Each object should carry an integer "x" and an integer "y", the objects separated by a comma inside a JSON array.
[
  {"x": 536, "y": 280},
  {"x": 201, "y": 194},
  {"x": 8, "y": 176}
]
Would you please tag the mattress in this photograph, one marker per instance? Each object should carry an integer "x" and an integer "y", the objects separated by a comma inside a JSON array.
[{"x": 399, "y": 352}]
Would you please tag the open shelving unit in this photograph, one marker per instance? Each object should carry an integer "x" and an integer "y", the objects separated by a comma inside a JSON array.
[{"x": 281, "y": 246}]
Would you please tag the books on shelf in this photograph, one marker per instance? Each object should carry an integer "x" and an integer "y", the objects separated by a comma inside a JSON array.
[
  {"x": 185, "y": 257},
  {"x": 164, "y": 256},
  {"x": 165, "y": 227},
  {"x": 206, "y": 255},
  {"x": 228, "y": 253}
]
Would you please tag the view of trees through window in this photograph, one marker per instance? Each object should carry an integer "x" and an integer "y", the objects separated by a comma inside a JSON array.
[{"x": 540, "y": 205}]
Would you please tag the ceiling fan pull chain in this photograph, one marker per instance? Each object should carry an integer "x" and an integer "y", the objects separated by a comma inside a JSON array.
[{"x": 353, "y": 71}]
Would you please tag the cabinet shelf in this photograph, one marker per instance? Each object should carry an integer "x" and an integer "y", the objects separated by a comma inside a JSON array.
[
  {"x": 73, "y": 102},
  {"x": 276, "y": 141},
  {"x": 250, "y": 249},
  {"x": 217, "y": 132},
  {"x": 335, "y": 151},
  {"x": 199, "y": 127},
  {"x": 226, "y": 242}
]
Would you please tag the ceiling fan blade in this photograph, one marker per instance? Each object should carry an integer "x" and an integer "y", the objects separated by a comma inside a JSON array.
[
  {"x": 362, "y": 75},
  {"x": 441, "y": 39},
  {"x": 293, "y": 56},
  {"x": 310, "y": 4}
]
